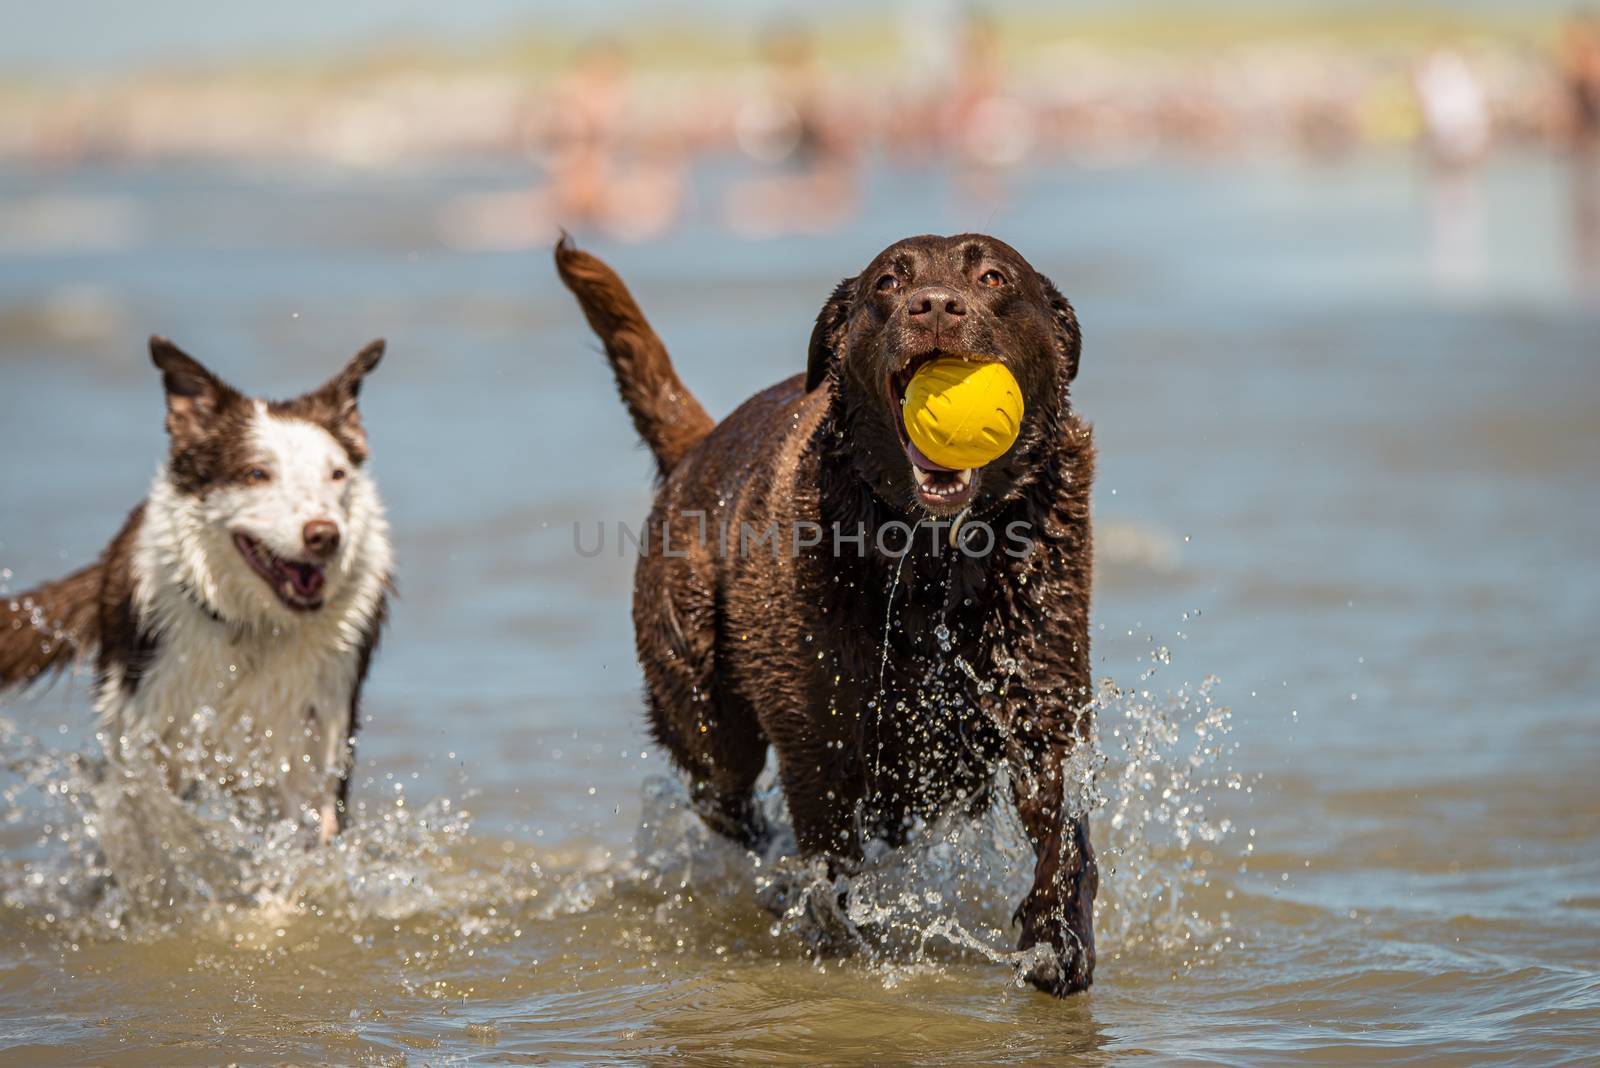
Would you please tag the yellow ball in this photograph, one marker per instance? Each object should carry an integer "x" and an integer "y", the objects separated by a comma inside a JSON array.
[{"x": 963, "y": 414}]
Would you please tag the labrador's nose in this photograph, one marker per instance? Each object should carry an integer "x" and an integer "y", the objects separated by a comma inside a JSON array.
[
  {"x": 321, "y": 537},
  {"x": 935, "y": 307}
]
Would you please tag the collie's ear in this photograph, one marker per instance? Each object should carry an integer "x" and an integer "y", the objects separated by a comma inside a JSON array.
[
  {"x": 827, "y": 337},
  {"x": 336, "y": 399},
  {"x": 195, "y": 396},
  {"x": 348, "y": 381},
  {"x": 1069, "y": 342}
]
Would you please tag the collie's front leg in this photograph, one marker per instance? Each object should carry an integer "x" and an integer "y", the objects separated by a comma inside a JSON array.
[
  {"x": 339, "y": 758},
  {"x": 327, "y": 821}
]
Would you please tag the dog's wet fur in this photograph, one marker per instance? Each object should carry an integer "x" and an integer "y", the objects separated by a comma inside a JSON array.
[
  {"x": 234, "y": 617},
  {"x": 875, "y": 719}
]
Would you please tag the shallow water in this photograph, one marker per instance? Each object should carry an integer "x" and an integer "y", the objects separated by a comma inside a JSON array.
[{"x": 1355, "y": 490}]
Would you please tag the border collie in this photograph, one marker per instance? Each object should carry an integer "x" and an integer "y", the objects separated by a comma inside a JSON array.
[{"x": 235, "y": 615}]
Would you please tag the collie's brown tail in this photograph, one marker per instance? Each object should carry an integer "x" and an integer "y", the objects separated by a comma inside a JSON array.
[
  {"x": 664, "y": 411},
  {"x": 42, "y": 631}
]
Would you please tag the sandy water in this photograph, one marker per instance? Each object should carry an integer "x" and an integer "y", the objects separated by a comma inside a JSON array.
[{"x": 1347, "y": 601}]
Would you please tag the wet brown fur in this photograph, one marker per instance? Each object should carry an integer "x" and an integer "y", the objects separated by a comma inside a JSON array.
[
  {"x": 44, "y": 630},
  {"x": 745, "y": 649},
  {"x": 664, "y": 412}
]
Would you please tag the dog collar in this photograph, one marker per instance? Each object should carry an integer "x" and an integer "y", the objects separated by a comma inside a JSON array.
[{"x": 200, "y": 603}]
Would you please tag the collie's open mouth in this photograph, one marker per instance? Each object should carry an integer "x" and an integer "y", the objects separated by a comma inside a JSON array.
[
  {"x": 941, "y": 490},
  {"x": 298, "y": 585}
]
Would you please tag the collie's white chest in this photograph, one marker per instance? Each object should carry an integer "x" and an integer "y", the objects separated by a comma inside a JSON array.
[{"x": 251, "y": 711}]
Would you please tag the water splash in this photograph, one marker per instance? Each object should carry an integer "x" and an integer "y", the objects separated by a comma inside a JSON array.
[
  {"x": 1166, "y": 770},
  {"x": 1152, "y": 778},
  {"x": 99, "y": 852},
  {"x": 116, "y": 854}
]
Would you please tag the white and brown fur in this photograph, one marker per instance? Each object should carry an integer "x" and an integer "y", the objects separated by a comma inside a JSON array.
[{"x": 233, "y": 618}]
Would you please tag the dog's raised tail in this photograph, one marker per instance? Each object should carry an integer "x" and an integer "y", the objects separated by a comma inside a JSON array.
[
  {"x": 43, "y": 631},
  {"x": 664, "y": 411}
]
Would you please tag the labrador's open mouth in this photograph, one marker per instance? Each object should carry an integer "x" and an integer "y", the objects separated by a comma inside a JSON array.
[
  {"x": 297, "y": 584},
  {"x": 941, "y": 490}
]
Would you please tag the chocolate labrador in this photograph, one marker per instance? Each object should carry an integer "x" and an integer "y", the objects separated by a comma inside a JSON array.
[{"x": 897, "y": 631}]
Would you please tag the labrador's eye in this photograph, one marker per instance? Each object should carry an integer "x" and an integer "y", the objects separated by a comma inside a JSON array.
[
  {"x": 339, "y": 474},
  {"x": 888, "y": 283},
  {"x": 992, "y": 279},
  {"x": 256, "y": 474}
]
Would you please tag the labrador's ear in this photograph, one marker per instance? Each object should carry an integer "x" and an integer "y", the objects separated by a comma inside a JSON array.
[
  {"x": 195, "y": 396},
  {"x": 827, "y": 337},
  {"x": 1069, "y": 342}
]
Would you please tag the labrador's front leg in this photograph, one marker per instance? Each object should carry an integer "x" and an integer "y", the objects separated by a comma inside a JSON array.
[{"x": 1059, "y": 909}]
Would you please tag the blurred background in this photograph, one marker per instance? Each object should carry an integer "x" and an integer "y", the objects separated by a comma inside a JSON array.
[
  {"x": 1338, "y": 269},
  {"x": 766, "y": 120}
]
